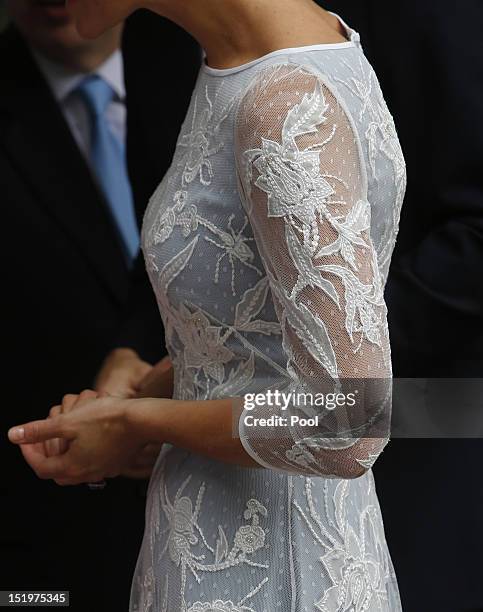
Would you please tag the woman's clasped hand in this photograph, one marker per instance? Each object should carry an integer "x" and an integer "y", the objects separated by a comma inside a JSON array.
[{"x": 87, "y": 438}]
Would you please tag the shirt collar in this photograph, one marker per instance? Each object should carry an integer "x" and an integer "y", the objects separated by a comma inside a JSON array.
[{"x": 63, "y": 80}]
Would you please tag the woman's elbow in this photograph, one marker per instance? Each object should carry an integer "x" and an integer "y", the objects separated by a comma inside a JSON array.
[{"x": 353, "y": 462}]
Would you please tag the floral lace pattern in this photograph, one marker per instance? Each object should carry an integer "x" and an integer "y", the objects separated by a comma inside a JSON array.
[
  {"x": 268, "y": 244},
  {"x": 382, "y": 138},
  {"x": 304, "y": 186}
]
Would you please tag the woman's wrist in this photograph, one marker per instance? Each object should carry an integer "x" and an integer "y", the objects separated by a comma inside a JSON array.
[
  {"x": 146, "y": 416},
  {"x": 204, "y": 427}
]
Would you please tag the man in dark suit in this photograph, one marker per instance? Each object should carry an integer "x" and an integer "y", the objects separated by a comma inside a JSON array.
[
  {"x": 68, "y": 272},
  {"x": 428, "y": 57}
]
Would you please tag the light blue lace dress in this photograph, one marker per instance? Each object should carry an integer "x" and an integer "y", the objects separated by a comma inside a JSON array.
[{"x": 268, "y": 245}]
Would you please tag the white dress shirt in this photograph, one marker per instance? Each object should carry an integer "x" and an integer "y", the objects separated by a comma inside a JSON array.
[{"x": 63, "y": 83}]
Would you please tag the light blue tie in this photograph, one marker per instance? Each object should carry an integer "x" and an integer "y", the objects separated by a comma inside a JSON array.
[{"x": 108, "y": 157}]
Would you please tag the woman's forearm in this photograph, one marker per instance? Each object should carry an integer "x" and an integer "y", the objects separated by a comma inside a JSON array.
[{"x": 207, "y": 428}]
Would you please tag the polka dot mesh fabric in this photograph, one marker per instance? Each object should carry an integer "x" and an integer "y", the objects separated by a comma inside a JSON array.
[
  {"x": 305, "y": 191},
  {"x": 268, "y": 244}
]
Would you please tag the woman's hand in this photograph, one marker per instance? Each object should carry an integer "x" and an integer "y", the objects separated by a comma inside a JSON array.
[
  {"x": 107, "y": 434},
  {"x": 101, "y": 441},
  {"x": 125, "y": 374},
  {"x": 122, "y": 373},
  {"x": 158, "y": 382},
  {"x": 143, "y": 462},
  {"x": 58, "y": 446}
]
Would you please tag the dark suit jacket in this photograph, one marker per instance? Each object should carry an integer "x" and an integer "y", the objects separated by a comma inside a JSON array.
[
  {"x": 429, "y": 59},
  {"x": 66, "y": 302}
]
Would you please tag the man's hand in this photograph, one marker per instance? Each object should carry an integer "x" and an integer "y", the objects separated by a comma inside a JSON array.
[{"x": 122, "y": 373}]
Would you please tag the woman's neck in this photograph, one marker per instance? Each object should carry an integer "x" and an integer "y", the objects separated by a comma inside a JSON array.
[{"x": 233, "y": 32}]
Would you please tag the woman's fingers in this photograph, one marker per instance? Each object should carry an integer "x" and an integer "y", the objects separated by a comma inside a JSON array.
[
  {"x": 165, "y": 364},
  {"x": 148, "y": 455},
  {"x": 57, "y": 446},
  {"x": 100, "y": 441},
  {"x": 143, "y": 463},
  {"x": 55, "y": 411},
  {"x": 52, "y": 447},
  {"x": 86, "y": 396},
  {"x": 135, "y": 473},
  {"x": 44, "y": 467},
  {"x": 38, "y": 431},
  {"x": 68, "y": 402},
  {"x": 59, "y": 468}
]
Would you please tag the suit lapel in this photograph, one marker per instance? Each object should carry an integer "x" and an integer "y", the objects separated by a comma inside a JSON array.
[{"x": 40, "y": 145}]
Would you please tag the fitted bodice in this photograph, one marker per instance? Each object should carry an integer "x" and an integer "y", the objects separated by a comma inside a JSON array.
[{"x": 198, "y": 244}]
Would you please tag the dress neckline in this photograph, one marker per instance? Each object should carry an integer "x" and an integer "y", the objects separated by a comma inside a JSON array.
[{"x": 352, "y": 35}]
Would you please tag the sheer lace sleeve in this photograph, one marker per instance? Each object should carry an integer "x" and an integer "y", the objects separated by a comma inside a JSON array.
[{"x": 302, "y": 180}]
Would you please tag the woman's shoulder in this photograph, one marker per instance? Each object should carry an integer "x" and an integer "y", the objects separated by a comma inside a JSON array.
[
  {"x": 340, "y": 38},
  {"x": 287, "y": 79}
]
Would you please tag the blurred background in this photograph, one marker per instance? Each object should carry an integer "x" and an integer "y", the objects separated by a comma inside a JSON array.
[{"x": 3, "y": 17}]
